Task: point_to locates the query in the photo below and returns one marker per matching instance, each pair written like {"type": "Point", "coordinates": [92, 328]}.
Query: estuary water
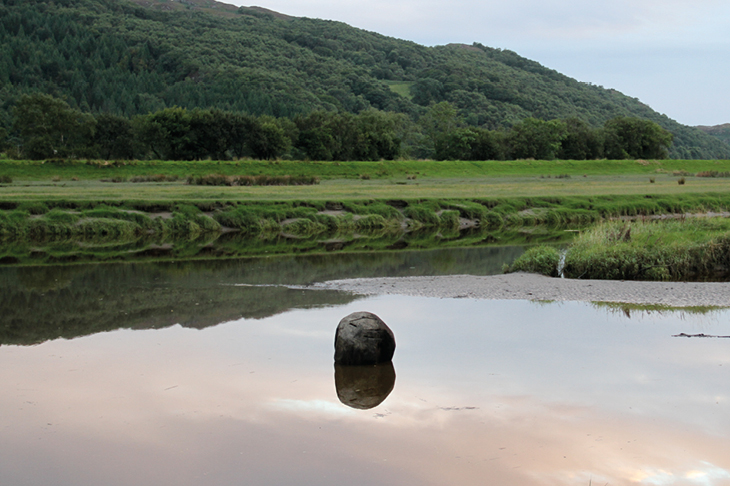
{"type": "Point", "coordinates": [156, 374]}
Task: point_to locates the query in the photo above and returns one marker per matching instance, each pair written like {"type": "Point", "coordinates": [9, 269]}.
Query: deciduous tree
{"type": "Point", "coordinates": [49, 127]}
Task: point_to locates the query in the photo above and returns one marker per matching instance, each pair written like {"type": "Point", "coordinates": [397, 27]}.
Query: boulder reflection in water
{"type": "Point", "coordinates": [364, 387]}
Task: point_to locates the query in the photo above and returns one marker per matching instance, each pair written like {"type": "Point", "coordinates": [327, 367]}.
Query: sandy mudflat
{"type": "Point", "coordinates": [525, 286]}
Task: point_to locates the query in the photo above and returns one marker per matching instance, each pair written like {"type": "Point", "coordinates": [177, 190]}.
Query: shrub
{"type": "Point", "coordinates": [370, 222]}
{"type": "Point", "coordinates": [304, 227]}
{"type": "Point", "coordinates": [712, 173]}
{"type": "Point", "coordinates": [422, 214]}
{"type": "Point", "coordinates": [246, 180]}
{"type": "Point", "coordinates": [155, 178]}
{"type": "Point", "coordinates": [107, 228]}
{"type": "Point", "coordinates": [240, 218]}
{"type": "Point", "coordinates": [540, 259]}
{"type": "Point", "coordinates": [34, 207]}
{"type": "Point", "coordinates": [449, 220]}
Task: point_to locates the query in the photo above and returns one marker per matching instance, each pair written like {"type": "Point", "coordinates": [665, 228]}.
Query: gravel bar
{"type": "Point", "coordinates": [524, 286]}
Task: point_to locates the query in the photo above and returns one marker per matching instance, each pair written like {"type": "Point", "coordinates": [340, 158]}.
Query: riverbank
{"type": "Point", "coordinates": [526, 286]}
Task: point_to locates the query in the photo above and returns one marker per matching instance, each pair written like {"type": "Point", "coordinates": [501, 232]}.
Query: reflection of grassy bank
{"type": "Point", "coordinates": [238, 245]}
{"type": "Point", "coordinates": [695, 249]}
{"type": "Point", "coordinates": [632, 310]}
{"type": "Point", "coordinates": [39, 303]}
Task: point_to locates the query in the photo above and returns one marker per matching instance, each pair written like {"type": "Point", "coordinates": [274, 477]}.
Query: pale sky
{"type": "Point", "coordinates": [670, 54]}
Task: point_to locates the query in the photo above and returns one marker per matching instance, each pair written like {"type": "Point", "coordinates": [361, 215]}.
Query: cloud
{"type": "Point", "coordinates": [432, 22]}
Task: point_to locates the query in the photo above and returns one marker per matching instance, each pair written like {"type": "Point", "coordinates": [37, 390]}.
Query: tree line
{"type": "Point", "coordinates": [45, 127]}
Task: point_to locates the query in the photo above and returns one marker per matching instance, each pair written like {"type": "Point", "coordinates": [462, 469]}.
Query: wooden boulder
{"type": "Point", "coordinates": [362, 338]}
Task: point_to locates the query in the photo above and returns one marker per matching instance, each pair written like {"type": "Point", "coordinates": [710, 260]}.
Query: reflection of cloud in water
{"type": "Point", "coordinates": [707, 475]}
{"type": "Point", "coordinates": [316, 406]}
{"type": "Point", "coordinates": [495, 392]}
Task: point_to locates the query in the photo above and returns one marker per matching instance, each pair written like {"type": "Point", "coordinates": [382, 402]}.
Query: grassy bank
{"type": "Point", "coordinates": [66, 218]}
{"type": "Point", "coordinates": [693, 249]}
{"type": "Point", "coordinates": [87, 210]}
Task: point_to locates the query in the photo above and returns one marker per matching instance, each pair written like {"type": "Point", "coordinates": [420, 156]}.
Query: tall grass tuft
{"type": "Point", "coordinates": [662, 250]}
{"type": "Point", "coordinates": [247, 180]}
{"type": "Point", "coordinates": [540, 259]}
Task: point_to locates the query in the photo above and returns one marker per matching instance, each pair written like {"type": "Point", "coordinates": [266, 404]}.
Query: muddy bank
{"type": "Point", "coordinates": [524, 286]}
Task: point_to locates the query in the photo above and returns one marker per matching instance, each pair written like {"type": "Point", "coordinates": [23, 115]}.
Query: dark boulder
{"type": "Point", "coordinates": [362, 338]}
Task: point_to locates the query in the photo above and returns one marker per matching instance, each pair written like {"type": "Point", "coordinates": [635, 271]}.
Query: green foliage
{"type": "Point", "coordinates": [536, 139]}
{"type": "Point", "coordinates": [581, 142]}
{"type": "Point", "coordinates": [542, 259]}
{"type": "Point", "coordinates": [33, 207]}
{"type": "Point", "coordinates": [424, 214]}
{"type": "Point", "coordinates": [670, 250]}
{"type": "Point", "coordinates": [113, 137]}
{"type": "Point", "coordinates": [370, 135]}
{"type": "Point", "coordinates": [49, 127]}
{"type": "Point", "coordinates": [449, 220]}
{"type": "Point", "coordinates": [720, 132]}
{"type": "Point", "coordinates": [180, 134]}
{"type": "Point", "coordinates": [381, 208]}
{"type": "Point", "coordinates": [303, 227]}
{"type": "Point", "coordinates": [632, 138]}
{"type": "Point", "coordinates": [110, 56]}
{"type": "Point", "coordinates": [370, 222]}
{"type": "Point", "coordinates": [267, 140]}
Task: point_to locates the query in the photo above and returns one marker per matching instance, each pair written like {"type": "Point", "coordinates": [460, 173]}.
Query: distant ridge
{"type": "Point", "coordinates": [720, 132]}
{"type": "Point", "coordinates": [207, 6]}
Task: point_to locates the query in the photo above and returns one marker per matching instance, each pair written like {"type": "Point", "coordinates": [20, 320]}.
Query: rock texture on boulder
{"type": "Point", "coordinates": [362, 338]}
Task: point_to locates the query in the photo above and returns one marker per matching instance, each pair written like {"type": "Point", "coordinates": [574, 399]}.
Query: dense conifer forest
{"type": "Point", "coordinates": [297, 87]}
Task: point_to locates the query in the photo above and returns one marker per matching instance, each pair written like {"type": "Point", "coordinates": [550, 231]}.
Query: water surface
{"type": "Point", "coordinates": [485, 392]}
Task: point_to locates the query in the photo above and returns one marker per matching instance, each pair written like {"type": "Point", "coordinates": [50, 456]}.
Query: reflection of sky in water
{"type": "Point", "coordinates": [487, 392]}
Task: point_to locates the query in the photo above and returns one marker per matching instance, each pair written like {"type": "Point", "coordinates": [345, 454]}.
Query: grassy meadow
{"type": "Point", "coordinates": [105, 180]}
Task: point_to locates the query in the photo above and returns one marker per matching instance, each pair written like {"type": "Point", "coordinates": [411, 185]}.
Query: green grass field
{"type": "Point", "coordinates": [45, 170]}
{"type": "Point", "coordinates": [342, 181]}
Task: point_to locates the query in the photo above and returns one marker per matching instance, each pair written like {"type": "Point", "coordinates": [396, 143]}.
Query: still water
{"type": "Point", "coordinates": [171, 374]}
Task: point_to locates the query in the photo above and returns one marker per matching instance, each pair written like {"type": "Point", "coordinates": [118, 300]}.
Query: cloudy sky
{"type": "Point", "coordinates": [670, 54]}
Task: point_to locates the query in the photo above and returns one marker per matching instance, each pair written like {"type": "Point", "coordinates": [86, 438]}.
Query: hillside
{"type": "Point", "coordinates": [721, 132]}
{"type": "Point", "coordinates": [136, 57]}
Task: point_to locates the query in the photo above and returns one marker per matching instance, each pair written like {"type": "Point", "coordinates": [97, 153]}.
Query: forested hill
{"type": "Point", "coordinates": [721, 132]}
{"type": "Point", "coordinates": [134, 58]}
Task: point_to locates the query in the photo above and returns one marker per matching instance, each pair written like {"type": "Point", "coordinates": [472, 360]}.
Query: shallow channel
{"type": "Point", "coordinates": [152, 374]}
